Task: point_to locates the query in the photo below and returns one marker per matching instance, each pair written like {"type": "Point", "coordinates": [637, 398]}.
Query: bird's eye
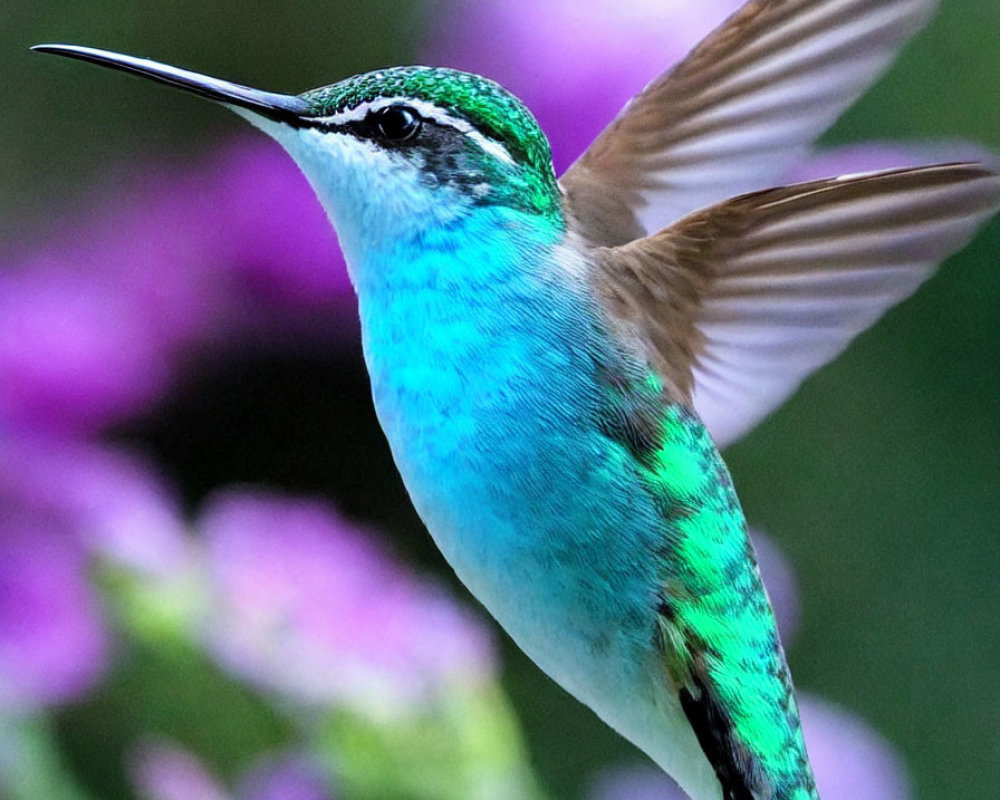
{"type": "Point", "coordinates": [397, 123]}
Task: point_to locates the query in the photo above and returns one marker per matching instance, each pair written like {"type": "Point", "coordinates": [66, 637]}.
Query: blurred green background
{"type": "Point", "coordinates": [880, 479]}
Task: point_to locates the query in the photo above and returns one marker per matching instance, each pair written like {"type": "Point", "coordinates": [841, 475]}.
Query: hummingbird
{"type": "Point", "coordinates": [556, 362]}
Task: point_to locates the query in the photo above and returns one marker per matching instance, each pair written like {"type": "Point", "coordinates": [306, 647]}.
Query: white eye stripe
{"type": "Point", "coordinates": [491, 146]}
{"type": "Point", "coordinates": [428, 111]}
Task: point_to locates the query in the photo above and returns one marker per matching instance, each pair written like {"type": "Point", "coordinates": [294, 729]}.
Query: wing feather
{"type": "Point", "coordinates": [765, 288]}
{"type": "Point", "coordinates": [738, 111]}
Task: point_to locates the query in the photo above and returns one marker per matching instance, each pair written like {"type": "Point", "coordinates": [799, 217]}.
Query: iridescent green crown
{"type": "Point", "coordinates": [485, 104]}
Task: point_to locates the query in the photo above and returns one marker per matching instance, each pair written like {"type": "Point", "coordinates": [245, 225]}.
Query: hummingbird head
{"type": "Point", "coordinates": [392, 154]}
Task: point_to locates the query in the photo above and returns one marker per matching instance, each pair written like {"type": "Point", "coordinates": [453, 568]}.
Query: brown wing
{"type": "Point", "coordinates": [740, 302]}
{"type": "Point", "coordinates": [736, 113]}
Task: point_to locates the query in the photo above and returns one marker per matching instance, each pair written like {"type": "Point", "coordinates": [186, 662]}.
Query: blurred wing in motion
{"type": "Point", "coordinates": [741, 108]}
{"type": "Point", "coordinates": [741, 301]}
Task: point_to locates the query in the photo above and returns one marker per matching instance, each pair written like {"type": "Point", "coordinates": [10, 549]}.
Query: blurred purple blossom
{"type": "Point", "coordinates": [105, 500]}
{"type": "Point", "coordinates": [161, 770]}
{"type": "Point", "coordinates": [54, 645]}
{"type": "Point", "coordinates": [643, 782]}
{"type": "Point", "coordinates": [306, 604]}
{"type": "Point", "coordinates": [98, 321]}
{"type": "Point", "coordinates": [850, 762]}
{"type": "Point", "coordinates": [61, 504]}
{"type": "Point", "coordinates": [285, 777]}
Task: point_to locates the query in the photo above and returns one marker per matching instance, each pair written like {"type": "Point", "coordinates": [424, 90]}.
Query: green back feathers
{"type": "Point", "coordinates": [484, 104]}
{"type": "Point", "coordinates": [716, 630]}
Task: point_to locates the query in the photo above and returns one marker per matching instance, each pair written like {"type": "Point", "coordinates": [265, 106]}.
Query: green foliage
{"type": "Point", "coordinates": [465, 746]}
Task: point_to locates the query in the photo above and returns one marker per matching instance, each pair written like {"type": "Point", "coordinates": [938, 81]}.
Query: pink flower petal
{"type": "Point", "coordinates": [306, 604]}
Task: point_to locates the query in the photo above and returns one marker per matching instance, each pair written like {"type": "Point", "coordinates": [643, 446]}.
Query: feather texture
{"type": "Point", "coordinates": [736, 112]}
{"type": "Point", "coordinates": [740, 302]}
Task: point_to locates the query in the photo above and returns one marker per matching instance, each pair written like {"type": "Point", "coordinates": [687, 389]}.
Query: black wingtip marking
{"type": "Point", "coordinates": [715, 734]}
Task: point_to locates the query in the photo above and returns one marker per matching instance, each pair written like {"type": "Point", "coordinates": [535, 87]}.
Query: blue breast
{"type": "Point", "coordinates": [483, 346]}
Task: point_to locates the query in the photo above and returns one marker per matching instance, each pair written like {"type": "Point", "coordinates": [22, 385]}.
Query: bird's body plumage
{"type": "Point", "coordinates": [592, 515]}
{"type": "Point", "coordinates": [565, 483]}
{"type": "Point", "coordinates": [555, 363]}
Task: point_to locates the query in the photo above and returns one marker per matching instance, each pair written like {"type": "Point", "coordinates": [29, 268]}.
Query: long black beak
{"type": "Point", "coordinates": [280, 107]}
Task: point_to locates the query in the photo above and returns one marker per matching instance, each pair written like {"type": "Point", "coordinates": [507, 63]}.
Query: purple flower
{"type": "Point", "coordinates": [61, 504]}
{"type": "Point", "coordinates": [98, 321]}
{"type": "Point", "coordinates": [76, 352]}
{"type": "Point", "coordinates": [163, 771]}
{"type": "Point", "coordinates": [850, 762]}
{"type": "Point", "coordinates": [54, 645]}
{"type": "Point", "coordinates": [634, 783]}
{"type": "Point", "coordinates": [286, 777]}
{"type": "Point", "coordinates": [109, 502]}
{"type": "Point", "coordinates": [306, 604]}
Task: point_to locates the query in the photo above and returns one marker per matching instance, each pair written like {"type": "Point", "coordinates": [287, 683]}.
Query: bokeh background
{"type": "Point", "coordinates": [212, 584]}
